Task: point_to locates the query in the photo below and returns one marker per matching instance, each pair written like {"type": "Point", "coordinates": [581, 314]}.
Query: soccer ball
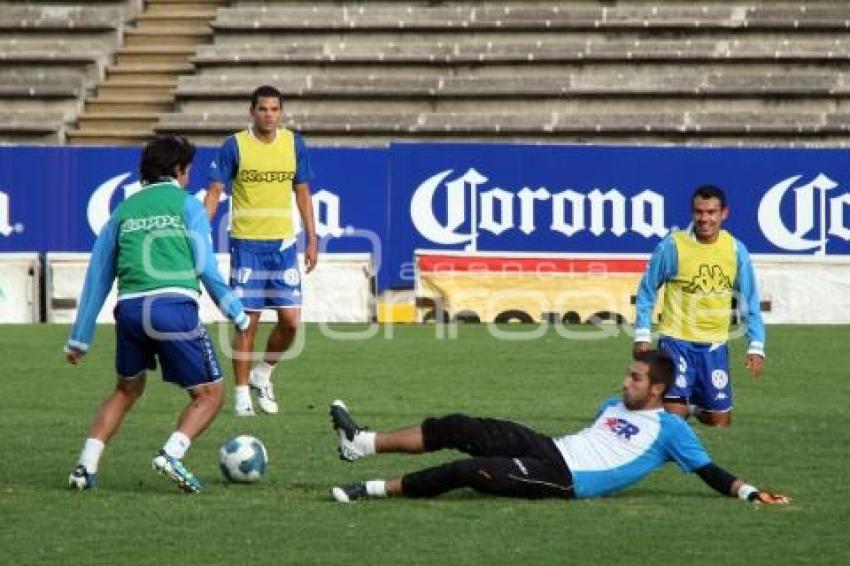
{"type": "Point", "coordinates": [243, 459]}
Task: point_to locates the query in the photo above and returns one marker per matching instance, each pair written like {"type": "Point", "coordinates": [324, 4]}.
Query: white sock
{"type": "Point", "coordinates": [365, 442]}
{"type": "Point", "coordinates": [243, 394]}
{"type": "Point", "coordinates": [376, 488]}
{"type": "Point", "coordinates": [177, 445]}
{"type": "Point", "coordinates": [90, 455]}
{"type": "Point", "coordinates": [262, 372]}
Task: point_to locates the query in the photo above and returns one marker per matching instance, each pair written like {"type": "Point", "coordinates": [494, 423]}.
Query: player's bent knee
{"type": "Point", "coordinates": [717, 420]}
{"type": "Point", "coordinates": [287, 325]}
{"type": "Point", "coordinates": [132, 388]}
{"type": "Point", "coordinates": [211, 394]}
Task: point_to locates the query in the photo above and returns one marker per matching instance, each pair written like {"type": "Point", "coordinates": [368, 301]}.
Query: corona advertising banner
{"type": "Point", "coordinates": [500, 198]}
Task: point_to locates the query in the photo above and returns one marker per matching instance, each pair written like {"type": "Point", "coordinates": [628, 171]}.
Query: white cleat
{"type": "Point", "coordinates": [244, 408]}
{"type": "Point", "coordinates": [265, 395]}
{"type": "Point", "coordinates": [349, 493]}
{"type": "Point", "coordinates": [81, 479]}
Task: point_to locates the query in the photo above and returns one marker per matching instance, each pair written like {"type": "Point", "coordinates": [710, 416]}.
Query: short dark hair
{"type": "Point", "coordinates": [164, 157]}
{"type": "Point", "coordinates": [265, 91]}
{"type": "Point", "coordinates": [710, 191]}
{"type": "Point", "coordinates": [661, 366]}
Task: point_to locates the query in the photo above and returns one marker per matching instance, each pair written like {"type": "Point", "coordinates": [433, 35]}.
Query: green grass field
{"type": "Point", "coordinates": [789, 435]}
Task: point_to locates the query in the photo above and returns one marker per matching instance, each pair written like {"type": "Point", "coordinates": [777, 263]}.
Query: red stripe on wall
{"type": "Point", "coordinates": [433, 263]}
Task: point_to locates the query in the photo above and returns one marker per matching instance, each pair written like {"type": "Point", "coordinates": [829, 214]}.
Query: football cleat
{"type": "Point", "coordinates": [347, 429]}
{"type": "Point", "coordinates": [243, 408]}
{"type": "Point", "coordinates": [81, 479]}
{"type": "Point", "coordinates": [177, 472]}
{"type": "Point", "coordinates": [265, 395]}
{"type": "Point", "coordinates": [349, 493]}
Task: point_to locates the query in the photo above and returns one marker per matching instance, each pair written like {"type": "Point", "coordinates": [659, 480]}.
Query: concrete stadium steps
{"type": "Point", "coordinates": [537, 16]}
{"type": "Point", "coordinates": [132, 104]}
{"type": "Point", "coordinates": [373, 71]}
{"type": "Point", "coordinates": [154, 54]}
{"type": "Point", "coordinates": [51, 55]}
{"type": "Point", "coordinates": [135, 89]}
{"type": "Point", "coordinates": [117, 120]}
{"type": "Point", "coordinates": [694, 83]}
{"type": "Point", "coordinates": [66, 18]}
{"type": "Point", "coordinates": [189, 36]}
{"type": "Point", "coordinates": [535, 51]}
{"type": "Point", "coordinates": [122, 135]}
{"type": "Point", "coordinates": [26, 51]}
{"type": "Point", "coordinates": [54, 88]}
{"type": "Point", "coordinates": [141, 73]}
{"type": "Point", "coordinates": [553, 126]}
{"type": "Point", "coordinates": [527, 70]}
{"type": "Point", "coordinates": [141, 82]}
{"type": "Point", "coordinates": [30, 127]}
{"type": "Point", "coordinates": [35, 74]}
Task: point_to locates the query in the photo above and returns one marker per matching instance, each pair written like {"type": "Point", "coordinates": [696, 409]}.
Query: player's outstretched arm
{"type": "Point", "coordinates": [99, 277]}
{"type": "Point", "coordinates": [198, 232]}
{"type": "Point", "coordinates": [725, 483]}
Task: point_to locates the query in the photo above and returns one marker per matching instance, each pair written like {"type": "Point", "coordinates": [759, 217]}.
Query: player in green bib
{"type": "Point", "coordinates": [157, 244]}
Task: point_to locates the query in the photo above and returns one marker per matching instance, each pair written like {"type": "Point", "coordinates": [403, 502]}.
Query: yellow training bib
{"type": "Point", "coordinates": [262, 189]}
{"type": "Point", "coordinates": [698, 300]}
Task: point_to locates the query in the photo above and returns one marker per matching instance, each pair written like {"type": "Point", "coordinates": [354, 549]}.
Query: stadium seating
{"type": "Point", "coordinates": [371, 71]}
{"type": "Point", "coordinates": [367, 72]}
{"type": "Point", "coordinates": [51, 56]}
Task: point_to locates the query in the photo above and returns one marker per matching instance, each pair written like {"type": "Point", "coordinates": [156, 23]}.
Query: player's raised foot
{"type": "Point", "coordinates": [243, 408]}
{"type": "Point", "coordinates": [81, 479]}
{"type": "Point", "coordinates": [265, 394]}
{"type": "Point", "coordinates": [349, 493]}
{"type": "Point", "coordinates": [176, 472]}
{"type": "Point", "coordinates": [347, 429]}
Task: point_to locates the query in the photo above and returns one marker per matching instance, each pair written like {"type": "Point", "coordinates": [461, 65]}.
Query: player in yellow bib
{"type": "Point", "coordinates": [268, 170]}
{"type": "Point", "coordinates": [702, 270]}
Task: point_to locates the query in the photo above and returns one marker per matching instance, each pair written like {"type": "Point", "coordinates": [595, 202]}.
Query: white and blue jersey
{"type": "Point", "coordinates": [623, 446]}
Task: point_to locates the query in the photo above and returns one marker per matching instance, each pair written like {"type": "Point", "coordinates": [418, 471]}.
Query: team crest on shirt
{"type": "Point", "coordinates": [719, 378]}
{"type": "Point", "coordinates": [291, 277]}
{"type": "Point", "coordinates": [621, 427]}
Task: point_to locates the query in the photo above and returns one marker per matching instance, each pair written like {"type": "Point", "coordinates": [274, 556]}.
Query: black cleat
{"type": "Point", "coordinates": [347, 429]}
{"type": "Point", "coordinates": [349, 493]}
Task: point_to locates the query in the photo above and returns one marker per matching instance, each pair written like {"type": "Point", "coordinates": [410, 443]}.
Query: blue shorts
{"type": "Point", "coordinates": [165, 327]}
{"type": "Point", "coordinates": [264, 276]}
{"type": "Point", "coordinates": [702, 373]}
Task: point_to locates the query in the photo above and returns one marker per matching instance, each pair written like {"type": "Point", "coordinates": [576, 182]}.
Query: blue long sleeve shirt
{"type": "Point", "coordinates": [663, 266]}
